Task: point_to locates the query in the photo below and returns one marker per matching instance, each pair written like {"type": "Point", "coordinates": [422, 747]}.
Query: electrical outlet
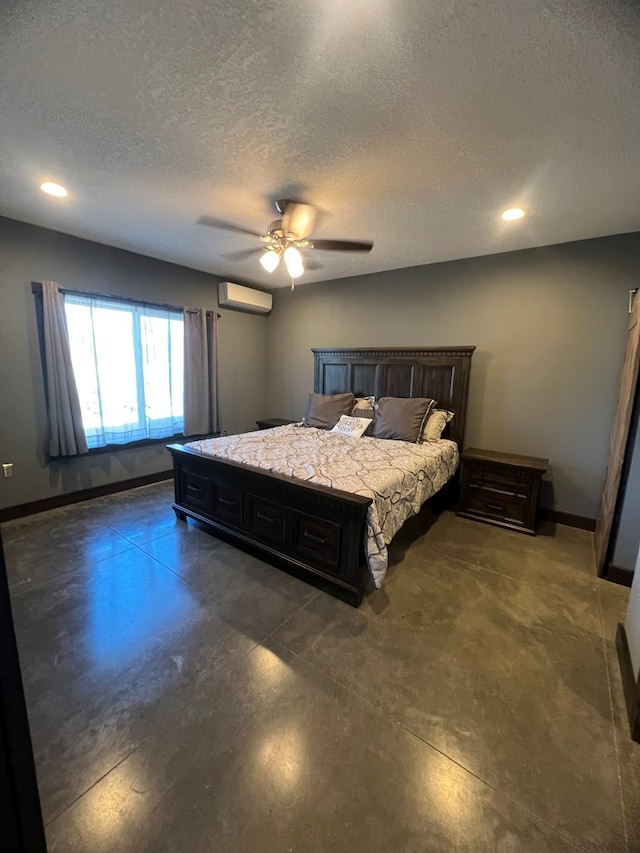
{"type": "Point", "coordinates": [7, 469]}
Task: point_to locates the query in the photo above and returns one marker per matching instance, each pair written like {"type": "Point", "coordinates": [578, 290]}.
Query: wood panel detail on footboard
{"type": "Point", "coordinates": [302, 525]}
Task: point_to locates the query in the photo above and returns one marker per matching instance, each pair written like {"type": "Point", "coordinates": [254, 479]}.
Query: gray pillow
{"type": "Point", "coordinates": [401, 418]}
{"type": "Point", "coordinates": [325, 411]}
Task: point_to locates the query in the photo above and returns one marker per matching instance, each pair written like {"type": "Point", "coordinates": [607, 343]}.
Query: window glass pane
{"type": "Point", "coordinates": [128, 363]}
{"type": "Point", "coordinates": [176, 332]}
{"type": "Point", "coordinates": [116, 366]}
{"type": "Point", "coordinates": [162, 343]}
{"type": "Point", "coordinates": [84, 362]}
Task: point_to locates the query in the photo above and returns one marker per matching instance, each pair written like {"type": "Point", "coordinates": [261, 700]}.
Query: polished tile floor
{"type": "Point", "coordinates": [185, 696]}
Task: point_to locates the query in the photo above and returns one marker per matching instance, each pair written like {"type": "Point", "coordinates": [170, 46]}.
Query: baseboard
{"type": "Point", "coordinates": [616, 574]}
{"type": "Point", "coordinates": [56, 501]}
{"type": "Point", "coordinates": [579, 521]}
{"type": "Point", "coordinates": [630, 686]}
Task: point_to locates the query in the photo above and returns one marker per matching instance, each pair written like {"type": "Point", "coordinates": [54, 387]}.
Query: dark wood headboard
{"type": "Point", "coordinates": [438, 372]}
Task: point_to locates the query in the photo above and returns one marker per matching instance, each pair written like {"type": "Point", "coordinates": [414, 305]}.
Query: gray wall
{"type": "Point", "coordinates": [549, 326]}
{"type": "Point", "coordinates": [30, 254]}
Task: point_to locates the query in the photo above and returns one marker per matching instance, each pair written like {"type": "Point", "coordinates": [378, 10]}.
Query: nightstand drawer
{"type": "Point", "coordinates": [497, 505]}
{"type": "Point", "coordinates": [500, 480]}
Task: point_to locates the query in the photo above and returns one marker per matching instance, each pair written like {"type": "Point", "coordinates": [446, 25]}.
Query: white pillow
{"type": "Point", "coordinates": [352, 426]}
{"type": "Point", "coordinates": [435, 425]}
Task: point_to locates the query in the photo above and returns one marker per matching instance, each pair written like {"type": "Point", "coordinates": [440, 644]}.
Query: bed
{"type": "Point", "coordinates": [293, 513]}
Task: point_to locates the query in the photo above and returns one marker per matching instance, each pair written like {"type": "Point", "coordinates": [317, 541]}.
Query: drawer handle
{"type": "Point", "coordinates": [319, 539]}
{"type": "Point", "coordinates": [264, 517]}
{"type": "Point", "coordinates": [495, 507]}
{"type": "Point", "coordinates": [226, 501]}
{"type": "Point", "coordinates": [192, 488]}
{"type": "Point", "coordinates": [487, 486]}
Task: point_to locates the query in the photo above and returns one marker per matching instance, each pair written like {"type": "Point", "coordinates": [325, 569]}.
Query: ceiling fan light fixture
{"type": "Point", "coordinates": [293, 261]}
{"type": "Point", "coordinates": [270, 260]}
{"type": "Point", "coordinates": [292, 256]}
{"type": "Point", "coordinates": [295, 272]}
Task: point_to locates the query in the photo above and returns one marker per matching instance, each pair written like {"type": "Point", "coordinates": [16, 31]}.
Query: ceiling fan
{"type": "Point", "coordinates": [285, 237]}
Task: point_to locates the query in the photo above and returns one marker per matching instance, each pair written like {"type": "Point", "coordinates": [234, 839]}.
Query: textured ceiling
{"type": "Point", "coordinates": [410, 123]}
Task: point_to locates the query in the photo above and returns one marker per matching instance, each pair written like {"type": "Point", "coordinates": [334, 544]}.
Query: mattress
{"type": "Point", "coordinates": [397, 475]}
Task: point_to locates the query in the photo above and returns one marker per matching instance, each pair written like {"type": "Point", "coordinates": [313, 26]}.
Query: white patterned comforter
{"type": "Point", "coordinates": [399, 476]}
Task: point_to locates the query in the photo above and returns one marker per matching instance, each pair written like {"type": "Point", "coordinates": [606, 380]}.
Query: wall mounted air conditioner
{"type": "Point", "coordinates": [243, 298]}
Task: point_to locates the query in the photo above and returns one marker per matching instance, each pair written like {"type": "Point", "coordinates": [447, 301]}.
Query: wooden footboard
{"type": "Point", "coordinates": [301, 525]}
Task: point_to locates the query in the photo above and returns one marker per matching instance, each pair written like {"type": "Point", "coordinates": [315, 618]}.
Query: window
{"type": "Point", "coordinates": [128, 364]}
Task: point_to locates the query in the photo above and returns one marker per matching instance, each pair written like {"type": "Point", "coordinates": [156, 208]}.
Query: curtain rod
{"type": "Point", "coordinates": [36, 287]}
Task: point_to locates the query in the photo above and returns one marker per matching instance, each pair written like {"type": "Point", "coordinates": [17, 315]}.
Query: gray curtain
{"type": "Point", "coordinates": [200, 372]}
{"type": "Point", "coordinates": [66, 433]}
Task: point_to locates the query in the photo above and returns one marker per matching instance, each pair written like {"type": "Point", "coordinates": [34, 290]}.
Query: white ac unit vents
{"type": "Point", "coordinates": [243, 298]}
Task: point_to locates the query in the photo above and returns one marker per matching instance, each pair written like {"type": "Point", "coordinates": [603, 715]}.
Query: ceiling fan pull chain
{"type": "Point", "coordinates": [293, 283]}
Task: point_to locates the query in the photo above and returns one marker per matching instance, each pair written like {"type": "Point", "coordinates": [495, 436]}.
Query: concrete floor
{"type": "Point", "coordinates": [187, 697]}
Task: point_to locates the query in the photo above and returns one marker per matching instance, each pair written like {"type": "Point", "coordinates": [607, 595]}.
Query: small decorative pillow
{"type": "Point", "coordinates": [355, 427]}
{"type": "Point", "coordinates": [363, 407]}
{"type": "Point", "coordinates": [401, 418]}
{"type": "Point", "coordinates": [324, 411]}
{"type": "Point", "coordinates": [436, 422]}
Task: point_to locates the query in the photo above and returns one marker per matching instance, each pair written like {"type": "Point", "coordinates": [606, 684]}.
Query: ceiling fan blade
{"type": "Point", "coordinates": [211, 222]}
{"type": "Point", "coordinates": [342, 245]}
{"type": "Point", "coordinates": [299, 219]}
{"type": "Point", "coordinates": [242, 255]}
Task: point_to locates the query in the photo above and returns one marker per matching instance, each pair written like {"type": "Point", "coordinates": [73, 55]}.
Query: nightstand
{"type": "Point", "coordinates": [501, 488]}
{"type": "Point", "coordinates": [268, 423]}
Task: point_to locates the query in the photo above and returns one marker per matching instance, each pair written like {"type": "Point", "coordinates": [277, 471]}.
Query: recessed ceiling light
{"type": "Point", "coordinates": [512, 214]}
{"type": "Point", "coordinates": [52, 188]}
